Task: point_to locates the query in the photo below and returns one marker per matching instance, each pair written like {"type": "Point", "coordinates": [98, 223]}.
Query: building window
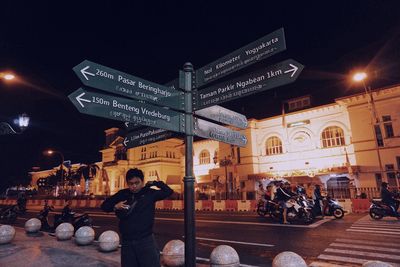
{"type": "Point", "coordinates": [387, 124]}
{"type": "Point", "coordinates": [143, 153]}
{"type": "Point", "coordinates": [398, 163]}
{"type": "Point", "coordinates": [378, 135]}
{"type": "Point", "coordinates": [299, 103]}
{"type": "Point", "coordinates": [205, 157]}
{"type": "Point", "coordinates": [332, 136]}
{"type": "Point", "coordinates": [120, 154]}
{"type": "Point", "coordinates": [378, 179]}
{"type": "Point", "coordinates": [274, 146]}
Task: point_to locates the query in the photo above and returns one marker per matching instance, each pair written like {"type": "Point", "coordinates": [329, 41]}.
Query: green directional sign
{"type": "Point", "coordinates": [217, 132]}
{"type": "Point", "coordinates": [146, 136]}
{"type": "Point", "coordinates": [264, 47]}
{"type": "Point", "coordinates": [123, 109]}
{"type": "Point", "coordinates": [270, 77]}
{"type": "Point", "coordinates": [223, 115]}
{"type": "Point", "coordinates": [117, 82]}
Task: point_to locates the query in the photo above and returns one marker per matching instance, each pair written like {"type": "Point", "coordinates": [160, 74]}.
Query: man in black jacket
{"type": "Point", "coordinates": [135, 208]}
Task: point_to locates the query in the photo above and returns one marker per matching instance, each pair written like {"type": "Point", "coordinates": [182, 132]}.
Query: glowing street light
{"type": "Point", "coordinates": [51, 152]}
{"type": "Point", "coordinates": [22, 122]}
{"type": "Point", "coordinates": [359, 76]}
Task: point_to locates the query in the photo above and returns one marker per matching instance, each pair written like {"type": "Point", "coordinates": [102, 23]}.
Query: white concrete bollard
{"type": "Point", "coordinates": [224, 255]}
{"type": "Point", "coordinates": [108, 241]}
{"type": "Point", "coordinates": [33, 225]}
{"type": "Point", "coordinates": [7, 234]}
{"type": "Point", "coordinates": [64, 231]}
{"type": "Point", "coordinates": [174, 253]}
{"type": "Point", "coordinates": [376, 264]}
{"type": "Point", "coordinates": [288, 259]}
{"type": "Point", "coordinates": [84, 235]}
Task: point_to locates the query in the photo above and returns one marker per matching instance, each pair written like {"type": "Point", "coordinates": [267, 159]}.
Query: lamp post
{"type": "Point", "coordinates": [22, 122]}
{"type": "Point", "coordinates": [225, 163]}
{"type": "Point", "coordinates": [360, 77]}
{"type": "Point", "coordinates": [51, 152]}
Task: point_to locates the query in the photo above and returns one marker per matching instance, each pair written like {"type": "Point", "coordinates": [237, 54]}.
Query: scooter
{"type": "Point", "coordinates": [8, 215]}
{"type": "Point", "coordinates": [333, 208]}
{"type": "Point", "coordinates": [77, 220]}
{"type": "Point", "coordinates": [267, 207]}
{"type": "Point", "coordinates": [378, 210]}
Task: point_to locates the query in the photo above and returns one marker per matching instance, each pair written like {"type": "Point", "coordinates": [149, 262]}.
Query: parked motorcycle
{"type": "Point", "coordinates": [77, 220]}
{"type": "Point", "coordinates": [8, 215]}
{"type": "Point", "coordinates": [378, 210]}
{"type": "Point", "coordinates": [298, 210]}
{"type": "Point", "coordinates": [333, 208]}
{"type": "Point", "coordinates": [269, 207]}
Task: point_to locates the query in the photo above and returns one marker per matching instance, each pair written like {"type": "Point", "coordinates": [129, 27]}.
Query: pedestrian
{"type": "Point", "coordinates": [318, 200]}
{"type": "Point", "coordinates": [135, 208]}
{"type": "Point", "coordinates": [283, 194]}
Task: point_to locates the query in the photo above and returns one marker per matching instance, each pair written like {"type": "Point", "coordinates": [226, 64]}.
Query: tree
{"type": "Point", "coordinates": [88, 172]}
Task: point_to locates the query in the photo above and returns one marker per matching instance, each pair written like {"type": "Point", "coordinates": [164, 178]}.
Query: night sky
{"type": "Point", "coordinates": [41, 43]}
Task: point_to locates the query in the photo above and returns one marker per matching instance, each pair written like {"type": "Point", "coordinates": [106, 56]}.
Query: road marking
{"type": "Point", "coordinates": [208, 260]}
{"type": "Point", "coordinates": [348, 259]}
{"type": "Point", "coordinates": [370, 231]}
{"type": "Point", "coordinates": [376, 225]}
{"type": "Point", "coordinates": [235, 242]}
{"type": "Point", "coordinates": [375, 228]}
{"type": "Point", "coordinates": [365, 247]}
{"type": "Point", "coordinates": [249, 223]}
{"type": "Point", "coordinates": [323, 264]}
{"type": "Point", "coordinates": [362, 253]}
{"type": "Point", "coordinates": [368, 242]}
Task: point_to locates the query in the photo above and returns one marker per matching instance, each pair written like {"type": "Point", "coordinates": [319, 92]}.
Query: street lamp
{"type": "Point", "coordinates": [22, 122]}
{"type": "Point", "coordinates": [51, 152]}
{"type": "Point", "coordinates": [225, 163]}
{"type": "Point", "coordinates": [7, 76]}
{"type": "Point", "coordinates": [361, 77]}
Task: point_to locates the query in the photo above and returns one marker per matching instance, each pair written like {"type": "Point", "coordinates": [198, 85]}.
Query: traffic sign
{"type": "Point", "coordinates": [217, 132]}
{"type": "Point", "coordinates": [146, 136]}
{"type": "Point", "coordinates": [117, 82]}
{"type": "Point", "coordinates": [270, 77]}
{"type": "Point", "coordinates": [264, 47]}
{"type": "Point", "coordinates": [127, 110]}
{"type": "Point", "coordinates": [223, 115]}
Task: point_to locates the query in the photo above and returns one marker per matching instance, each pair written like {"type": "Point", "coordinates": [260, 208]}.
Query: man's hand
{"type": "Point", "coordinates": [121, 205]}
{"type": "Point", "coordinates": [153, 183]}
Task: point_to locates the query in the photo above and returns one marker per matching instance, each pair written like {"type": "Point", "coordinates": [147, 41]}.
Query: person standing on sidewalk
{"type": "Point", "coordinates": [135, 209]}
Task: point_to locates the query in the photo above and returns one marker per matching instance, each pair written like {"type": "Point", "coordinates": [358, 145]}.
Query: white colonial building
{"type": "Point", "coordinates": [353, 142]}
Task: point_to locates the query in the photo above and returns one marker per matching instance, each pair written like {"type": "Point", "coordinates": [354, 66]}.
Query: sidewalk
{"type": "Point", "coordinates": [43, 250]}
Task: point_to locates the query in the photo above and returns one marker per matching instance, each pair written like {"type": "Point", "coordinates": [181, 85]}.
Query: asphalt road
{"type": "Point", "coordinates": [257, 240]}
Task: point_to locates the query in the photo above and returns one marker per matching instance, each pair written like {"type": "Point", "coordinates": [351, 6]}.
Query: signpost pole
{"type": "Point", "coordinates": [190, 230]}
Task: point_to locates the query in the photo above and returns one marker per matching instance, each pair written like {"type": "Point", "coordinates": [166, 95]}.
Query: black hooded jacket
{"type": "Point", "coordinates": [137, 222]}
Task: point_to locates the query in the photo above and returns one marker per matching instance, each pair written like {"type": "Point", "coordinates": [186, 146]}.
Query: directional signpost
{"type": "Point", "coordinates": [164, 100]}
{"type": "Point", "coordinates": [214, 131]}
{"type": "Point", "coordinates": [117, 82]}
{"type": "Point", "coordinates": [263, 48]}
{"type": "Point", "coordinates": [122, 109]}
{"type": "Point", "coordinates": [223, 115]}
{"type": "Point", "coordinates": [146, 136]}
{"type": "Point", "coordinates": [280, 74]}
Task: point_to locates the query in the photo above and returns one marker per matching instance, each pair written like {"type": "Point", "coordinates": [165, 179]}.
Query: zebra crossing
{"type": "Point", "coordinates": [365, 240]}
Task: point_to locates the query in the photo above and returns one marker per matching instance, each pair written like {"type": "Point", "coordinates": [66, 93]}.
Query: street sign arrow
{"type": "Point", "coordinates": [264, 47]}
{"type": "Point", "coordinates": [127, 110]}
{"type": "Point", "coordinates": [270, 77]}
{"type": "Point", "coordinates": [214, 131]}
{"type": "Point", "coordinates": [146, 136]}
{"type": "Point", "coordinates": [223, 115]}
{"type": "Point", "coordinates": [117, 82]}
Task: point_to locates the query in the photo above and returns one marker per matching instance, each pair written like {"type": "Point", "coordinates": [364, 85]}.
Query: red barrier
{"type": "Point", "coordinates": [253, 205]}
{"type": "Point", "coordinates": [207, 205]}
{"type": "Point", "coordinates": [360, 205]}
{"type": "Point", "coordinates": [231, 205]}
{"type": "Point", "coordinates": [167, 204]}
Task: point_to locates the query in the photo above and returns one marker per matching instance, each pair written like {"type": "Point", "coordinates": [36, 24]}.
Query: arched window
{"type": "Point", "coordinates": [274, 146]}
{"type": "Point", "coordinates": [332, 136]}
{"type": "Point", "coordinates": [205, 157]}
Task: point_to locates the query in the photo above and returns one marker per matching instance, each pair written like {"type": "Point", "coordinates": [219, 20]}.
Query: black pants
{"type": "Point", "coordinates": [140, 253]}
